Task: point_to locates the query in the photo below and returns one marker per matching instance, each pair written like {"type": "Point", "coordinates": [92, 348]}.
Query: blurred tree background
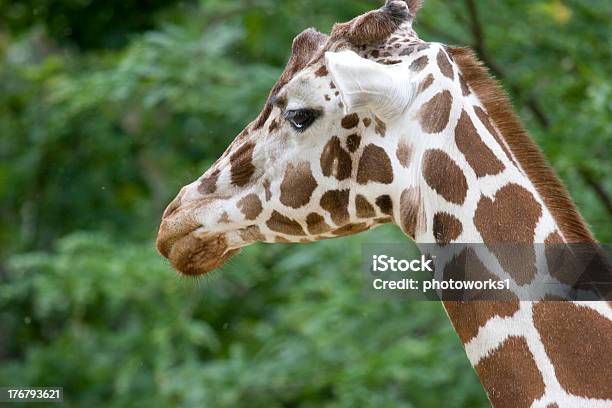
{"type": "Point", "coordinates": [108, 108]}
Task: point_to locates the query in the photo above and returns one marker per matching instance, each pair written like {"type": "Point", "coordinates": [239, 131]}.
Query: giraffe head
{"type": "Point", "coordinates": [322, 158]}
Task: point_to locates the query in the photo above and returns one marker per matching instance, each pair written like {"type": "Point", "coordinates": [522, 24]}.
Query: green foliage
{"type": "Point", "coordinates": [84, 23]}
{"type": "Point", "coordinates": [110, 322]}
{"type": "Point", "coordinates": [103, 116]}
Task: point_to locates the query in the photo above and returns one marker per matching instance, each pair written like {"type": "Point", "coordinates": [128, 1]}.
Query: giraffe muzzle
{"type": "Point", "coordinates": [192, 251]}
{"type": "Point", "coordinates": [193, 255]}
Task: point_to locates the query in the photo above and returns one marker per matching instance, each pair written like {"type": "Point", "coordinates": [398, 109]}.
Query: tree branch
{"type": "Point", "coordinates": [599, 190]}
{"type": "Point", "coordinates": [531, 102]}
{"type": "Point", "coordinates": [480, 47]}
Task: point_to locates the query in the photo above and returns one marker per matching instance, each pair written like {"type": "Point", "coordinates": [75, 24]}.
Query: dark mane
{"type": "Point", "coordinates": [528, 154]}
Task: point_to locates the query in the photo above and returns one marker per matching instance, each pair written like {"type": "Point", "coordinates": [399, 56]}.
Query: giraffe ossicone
{"type": "Point", "coordinates": [372, 125]}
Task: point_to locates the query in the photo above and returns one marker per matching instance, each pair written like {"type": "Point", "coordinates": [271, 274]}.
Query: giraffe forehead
{"type": "Point", "coordinates": [305, 88]}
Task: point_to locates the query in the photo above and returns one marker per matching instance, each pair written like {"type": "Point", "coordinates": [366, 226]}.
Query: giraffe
{"type": "Point", "coordinates": [372, 125]}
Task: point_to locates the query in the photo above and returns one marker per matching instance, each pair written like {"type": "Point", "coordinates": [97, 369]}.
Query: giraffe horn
{"type": "Point", "coordinates": [375, 26]}
{"type": "Point", "coordinates": [413, 5]}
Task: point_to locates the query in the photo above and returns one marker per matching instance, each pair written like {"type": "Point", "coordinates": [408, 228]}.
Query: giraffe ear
{"type": "Point", "coordinates": [386, 90]}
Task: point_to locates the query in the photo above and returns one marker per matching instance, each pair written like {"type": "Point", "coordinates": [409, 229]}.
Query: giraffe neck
{"type": "Point", "coordinates": [467, 184]}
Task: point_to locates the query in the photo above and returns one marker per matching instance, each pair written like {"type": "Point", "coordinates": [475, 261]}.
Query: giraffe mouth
{"type": "Point", "coordinates": [190, 250]}
{"type": "Point", "coordinates": [194, 255]}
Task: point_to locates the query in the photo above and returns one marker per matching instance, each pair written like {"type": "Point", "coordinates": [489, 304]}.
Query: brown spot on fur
{"type": "Point", "coordinates": [281, 240]}
{"type": "Point", "coordinates": [350, 121]}
{"type": "Point", "coordinates": [298, 185]}
{"type": "Point", "coordinates": [419, 63]}
{"type": "Point", "coordinates": [322, 71]}
{"type": "Point", "coordinates": [316, 224]}
{"type": "Point", "coordinates": [407, 51]}
{"type": "Point", "coordinates": [444, 64]}
{"type": "Point", "coordinates": [426, 83]}
{"type": "Point", "coordinates": [409, 210]}
{"type": "Point", "coordinates": [279, 101]}
{"type": "Point", "coordinates": [364, 208]}
{"type": "Point", "coordinates": [446, 227]}
{"type": "Point", "coordinates": [250, 206]}
{"type": "Point", "coordinates": [484, 119]}
{"type": "Point", "coordinates": [251, 234]}
{"type": "Point", "coordinates": [350, 229]}
{"type": "Point", "coordinates": [529, 156]}
{"type": "Point", "coordinates": [476, 152]}
{"type": "Point", "coordinates": [208, 185]}
{"type": "Point", "coordinates": [327, 98]}
{"type": "Point", "coordinates": [353, 142]}
{"type": "Point", "coordinates": [273, 126]}
{"type": "Point", "coordinates": [391, 62]}
{"type": "Point", "coordinates": [578, 341]}
{"type": "Point", "coordinates": [266, 186]}
{"type": "Point", "coordinates": [469, 316]}
{"type": "Point", "coordinates": [375, 53]}
{"type": "Point", "coordinates": [335, 161]}
{"type": "Point", "coordinates": [367, 122]}
{"type": "Point", "coordinates": [553, 238]}
{"type": "Point", "coordinates": [286, 225]}
{"type": "Point", "coordinates": [465, 89]}
{"type": "Point", "coordinates": [434, 114]}
{"type": "Point", "coordinates": [383, 220]}
{"type": "Point", "coordinates": [242, 164]}
{"type": "Point", "coordinates": [336, 203]}
{"type": "Point", "coordinates": [385, 204]}
{"type": "Point", "coordinates": [444, 176]}
{"type": "Point", "coordinates": [381, 127]}
{"type": "Point", "coordinates": [263, 117]}
{"type": "Point", "coordinates": [404, 153]}
{"type": "Point", "coordinates": [374, 165]}
{"type": "Point", "coordinates": [521, 382]}
{"type": "Point", "coordinates": [561, 261]}
{"type": "Point", "coordinates": [224, 219]}
{"type": "Point", "coordinates": [511, 217]}
{"type": "Point", "coordinates": [468, 267]}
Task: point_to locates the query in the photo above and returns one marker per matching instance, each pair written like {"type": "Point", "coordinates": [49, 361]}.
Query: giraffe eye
{"type": "Point", "coordinates": [301, 119]}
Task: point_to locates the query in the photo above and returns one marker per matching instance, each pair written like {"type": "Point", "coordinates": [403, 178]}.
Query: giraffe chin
{"type": "Point", "coordinates": [194, 256]}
